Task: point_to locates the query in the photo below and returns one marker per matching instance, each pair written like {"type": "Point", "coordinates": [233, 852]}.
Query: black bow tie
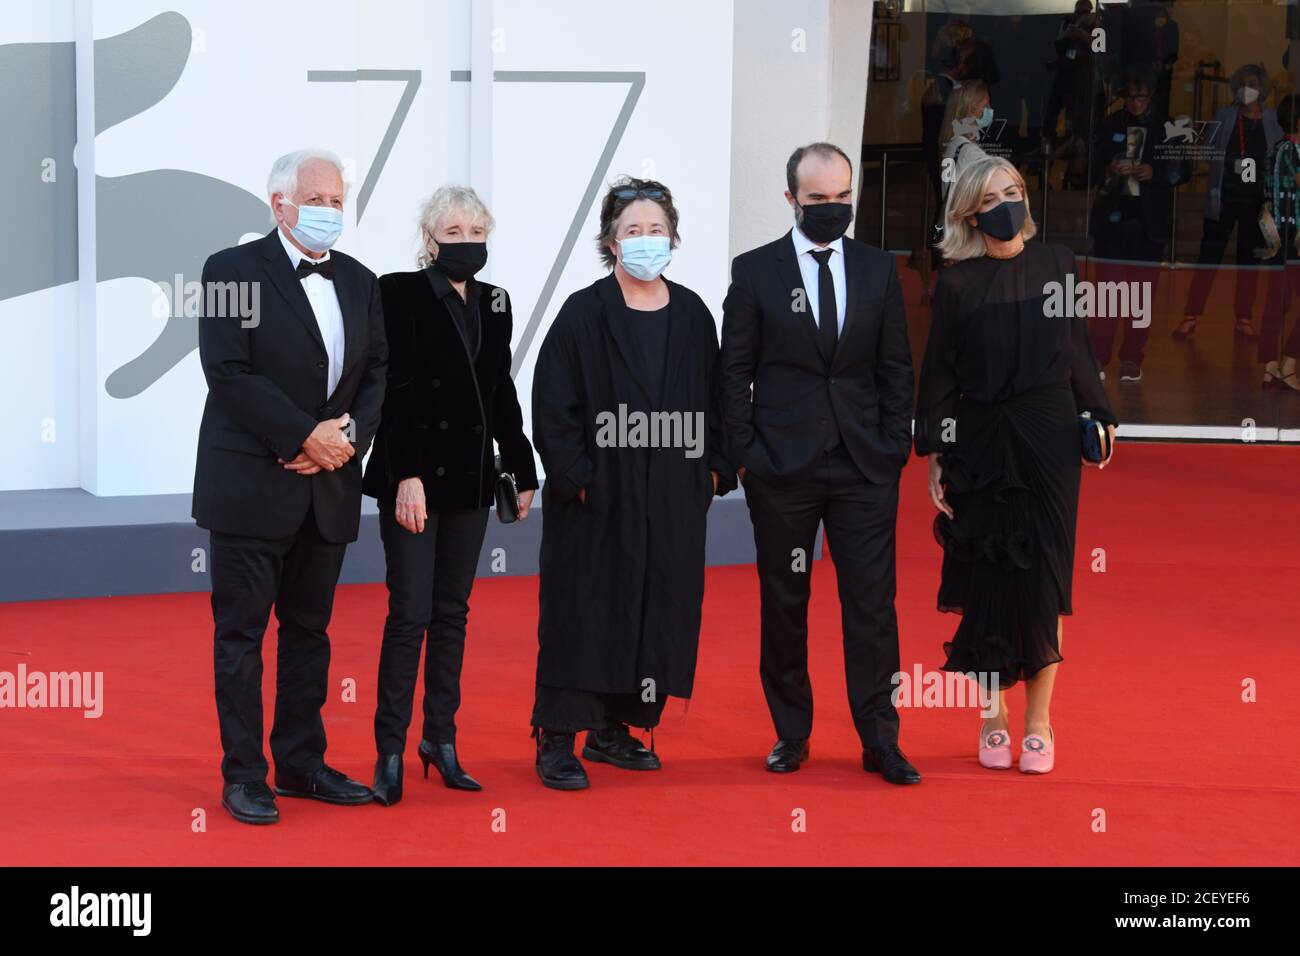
{"type": "Point", "coordinates": [324, 268]}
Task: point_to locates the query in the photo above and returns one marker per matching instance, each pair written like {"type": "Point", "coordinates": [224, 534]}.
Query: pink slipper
{"type": "Point", "coordinates": [1038, 755]}
{"type": "Point", "coordinates": [995, 750]}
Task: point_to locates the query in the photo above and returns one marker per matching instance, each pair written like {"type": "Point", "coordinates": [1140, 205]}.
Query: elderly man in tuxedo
{"type": "Point", "coordinates": [817, 387]}
{"type": "Point", "coordinates": [294, 395]}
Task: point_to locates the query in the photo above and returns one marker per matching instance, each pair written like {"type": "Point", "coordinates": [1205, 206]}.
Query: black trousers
{"type": "Point", "coordinates": [430, 576]}
{"type": "Point", "coordinates": [1127, 240]}
{"type": "Point", "coordinates": [1242, 214]}
{"type": "Point", "coordinates": [860, 522]}
{"type": "Point", "coordinates": [297, 577]}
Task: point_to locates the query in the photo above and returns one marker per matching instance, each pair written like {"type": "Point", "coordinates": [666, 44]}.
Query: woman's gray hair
{"type": "Point", "coordinates": [447, 199]}
{"type": "Point", "coordinates": [1238, 78]}
{"type": "Point", "coordinates": [961, 240]}
{"type": "Point", "coordinates": [284, 171]}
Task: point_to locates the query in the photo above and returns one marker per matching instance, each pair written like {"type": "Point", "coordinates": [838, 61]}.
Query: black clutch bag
{"type": "Point", "coordinates": [1095, 445]}
{"type": "Point", "coordinates": [507, 494]}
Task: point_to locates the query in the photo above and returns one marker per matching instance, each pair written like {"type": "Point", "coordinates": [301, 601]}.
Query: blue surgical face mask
{"type": "Point", "coordinates": [319, 227]}
{"type": "Point", "coordinates": [644, 257]}
{"type": "Point", "coordinates": [985, 119]}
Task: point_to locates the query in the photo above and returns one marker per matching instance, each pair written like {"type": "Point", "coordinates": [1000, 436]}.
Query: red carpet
{"type": "Point", "coordinates": [1198, 595]}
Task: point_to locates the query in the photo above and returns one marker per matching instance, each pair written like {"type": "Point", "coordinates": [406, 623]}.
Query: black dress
{"type": "Point", "coordinates": [1002, 386]}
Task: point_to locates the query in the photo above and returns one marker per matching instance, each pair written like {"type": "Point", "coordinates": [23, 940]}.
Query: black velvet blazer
{"type": "Point", "coordinates": [442, 409]}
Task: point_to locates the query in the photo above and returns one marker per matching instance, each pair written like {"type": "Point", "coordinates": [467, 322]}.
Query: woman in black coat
{"type": "Point", "coordinates": [449, 397]}
{"type": "Point", "coordinates": [627, 423]}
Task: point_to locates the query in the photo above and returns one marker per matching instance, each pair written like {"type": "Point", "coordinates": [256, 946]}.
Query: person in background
{"type": "Point", "coordinates": [1247, 132]}
{"type": "Point", "coordinates": [450, 397]}
{"type": "Point", "coordinates": [978, 61]}
{"type": "Point", "coordinates": [1281, 185]}
{"type": "Point", "coordinates": [934, 105]}
{"type": "Point", "coordinates": [1073, 73]}
{"type": "Point", "coordinates": [1150, 41]}
{"type": "Point", "coordinates": [1132, 216]}
{"type": "Point", "coordinates": [968, 115]}
{"type": "Point", "coordinates": [1003, 382]}
{"type": "Point", "coordinates": [624, 510]}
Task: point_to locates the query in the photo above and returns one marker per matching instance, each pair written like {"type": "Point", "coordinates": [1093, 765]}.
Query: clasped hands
{"type": "Point", "coordinates": [326, 448]}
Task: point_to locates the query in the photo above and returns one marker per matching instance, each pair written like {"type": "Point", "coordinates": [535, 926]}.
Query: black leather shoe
{"type": "Point", "coordinates": [250, 802]}
{"type": "Point", "coordinates": [888, 761]}
{"type": "Point", "coordinates": [617, 746]}
{"type": "Point", "coordinates": [325, 784]}
{"type": "Point", "coordinates": [388, 779]}
{"type": "Point", "coordinates": [556, 764]}
{"type": "Point", "coordinates": [787, 755]}
{"type": "Point", "coordinates": [443, 757]}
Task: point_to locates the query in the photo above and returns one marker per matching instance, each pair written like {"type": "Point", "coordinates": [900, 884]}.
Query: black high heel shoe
{"type": "Point", "coordinates": [443, 758]}
{"type": "Point", "coordinates": [388, 779]}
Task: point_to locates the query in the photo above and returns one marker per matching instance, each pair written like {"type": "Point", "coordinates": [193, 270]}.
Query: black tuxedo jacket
{"type": "Point", "coordinates": [771, 344]}
{"type": "Point", "coordinates": [443, 409]}
{"type": "Point", "coordinates": [266, 393]}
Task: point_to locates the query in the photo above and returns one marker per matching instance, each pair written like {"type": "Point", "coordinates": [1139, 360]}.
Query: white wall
{"type": "Point", "coordinates": [242, 96]}
{"type": "Point", "coordinates": [799, 75]}
{"type": "Point", "coordinates": [548, 138]}
{"type": "Point", "coordinates": [38, 329]}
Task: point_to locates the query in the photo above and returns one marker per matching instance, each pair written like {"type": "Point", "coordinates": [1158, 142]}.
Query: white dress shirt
{"type": "Point", "coordinates": [324, 301]}
{"type": "Point", "coordinates": [808, 267]}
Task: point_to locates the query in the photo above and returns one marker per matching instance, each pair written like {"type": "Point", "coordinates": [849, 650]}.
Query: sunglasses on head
{"type": "Point", "coordinates": [645, 192]}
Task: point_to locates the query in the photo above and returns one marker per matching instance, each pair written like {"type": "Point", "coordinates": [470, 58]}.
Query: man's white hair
{"type": "Point", "coordinates": [284, 171]}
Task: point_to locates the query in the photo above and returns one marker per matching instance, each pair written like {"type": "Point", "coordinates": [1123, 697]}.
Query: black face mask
{"type": "Point", "coordinates": [1004, 221]}
{"type": "Point", "coordinates": [824, 222]}
{"type": "Point", "coordinates": [460, 260]}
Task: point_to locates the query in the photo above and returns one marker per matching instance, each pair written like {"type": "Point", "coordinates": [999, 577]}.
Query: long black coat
{"type": "Point", "coordinates": [622, 576]}
{"type": "Point", "coordinates": [442, 411]}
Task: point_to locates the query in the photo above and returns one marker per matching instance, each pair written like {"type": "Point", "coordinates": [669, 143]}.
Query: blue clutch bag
{"type": "Point", "coordinates": [1095, 445]}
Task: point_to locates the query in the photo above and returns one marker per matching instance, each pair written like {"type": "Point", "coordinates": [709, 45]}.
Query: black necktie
{"type": "Point", "coordinates": [309, 267]}
{"type": "Point", "coordinates": [827, 317]}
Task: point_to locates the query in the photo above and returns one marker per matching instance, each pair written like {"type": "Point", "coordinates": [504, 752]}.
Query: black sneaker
{"type": "Point", "coordinates": [556, 764]}
{"type": "Point", "coordinates": [617, 746]}
{"type": "Point", "coordinates": [1130, 372]}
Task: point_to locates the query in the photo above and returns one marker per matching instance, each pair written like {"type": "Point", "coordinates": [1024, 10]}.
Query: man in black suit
{"type": "Point", "coordinates": [294, 395]}
{"type": "Point", "coordinates": [814, 324]}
